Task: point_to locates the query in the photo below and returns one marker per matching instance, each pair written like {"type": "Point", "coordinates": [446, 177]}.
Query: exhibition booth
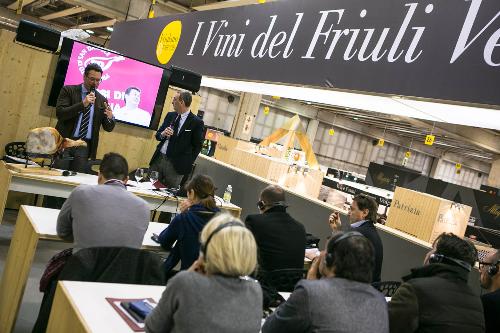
{"type": "Point", "coordinates": [283, 46]}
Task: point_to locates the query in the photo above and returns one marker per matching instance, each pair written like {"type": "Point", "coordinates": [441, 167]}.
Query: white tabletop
{"type": "Point", "coordinates": [45, 221]}
{"type": "Point", "coordinates": [144, 190]}
{"type": "Point", "coordinates": [89, 299]}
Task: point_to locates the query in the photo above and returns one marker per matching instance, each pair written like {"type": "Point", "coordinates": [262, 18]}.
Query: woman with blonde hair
{"type": "Point", "coordinates": [215, 294]}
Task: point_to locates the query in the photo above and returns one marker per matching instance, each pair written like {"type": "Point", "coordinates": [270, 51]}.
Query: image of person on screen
{"type": "Point", "coordinates": [131, 113]}
{"type": "Point", "coordinates": [81, 111]}
{"type": "Point", "coordinates": [181, 138]}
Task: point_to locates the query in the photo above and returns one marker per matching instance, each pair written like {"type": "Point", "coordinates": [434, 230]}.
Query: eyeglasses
{"type": "Point", "coordinates": [93, 79]}
{"type": "Point", "coordinates": [483, 264]}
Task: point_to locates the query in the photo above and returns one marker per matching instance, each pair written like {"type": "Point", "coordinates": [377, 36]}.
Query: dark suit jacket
{"type": "Point", "coordinates": [68, 109]}
{"type": "Point", "coordinates": [281, 240]}
{"type": "Point", "coordinates": [184, 147]}
{"type": "Point", "coordinates": [369, 230]}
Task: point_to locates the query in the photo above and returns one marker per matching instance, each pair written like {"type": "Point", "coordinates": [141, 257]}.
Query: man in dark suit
{"type": "Point", "coordinates": [490, 280]}
{"type": "Point", "coordinates": [181, 137]}
{"type": "Point", "coordinates": [362, 218]}
{"type": "Point", "coordinates": [281, 240]}
{"type": "Point", "coordinates": [81, 110]}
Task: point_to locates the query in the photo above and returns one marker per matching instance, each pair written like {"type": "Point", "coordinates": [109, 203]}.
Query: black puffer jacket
{"type": "Point", "coordinates": [436, 298]}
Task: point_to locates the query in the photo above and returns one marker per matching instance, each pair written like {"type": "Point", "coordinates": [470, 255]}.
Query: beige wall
{"type": "Point", "coordinates": [27, 76]}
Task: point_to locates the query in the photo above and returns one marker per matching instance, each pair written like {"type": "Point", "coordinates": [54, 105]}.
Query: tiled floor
{"type": "Point", "coordinates": [32, 297]}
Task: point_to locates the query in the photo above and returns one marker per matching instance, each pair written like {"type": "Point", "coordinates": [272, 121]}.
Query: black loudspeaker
{"type": "Point", "coordinates": [374, 142]}
{"type": "Point", "coordinates": [185, 79]}
{"type": "Point", "coordinates": [36, 35]}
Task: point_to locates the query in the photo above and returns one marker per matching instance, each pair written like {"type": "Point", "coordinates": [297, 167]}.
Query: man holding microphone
{"type": "Point", "coordinates": [181, 138]}
{"type": "Point", "coordinates": [81, 110]}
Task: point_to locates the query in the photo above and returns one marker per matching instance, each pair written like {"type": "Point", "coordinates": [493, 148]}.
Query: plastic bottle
{"type": "Point", "coordinates": [228, 193]}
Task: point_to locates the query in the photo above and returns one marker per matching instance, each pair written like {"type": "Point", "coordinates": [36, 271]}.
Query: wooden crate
{"type": "Point", "coordinates": [426, 216]}
{"type": "Point", "coordinates": [226, 147]}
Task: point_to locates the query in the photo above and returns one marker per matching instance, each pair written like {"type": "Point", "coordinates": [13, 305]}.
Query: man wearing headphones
{"type": "Point", "coordinates": [337, 295]}
{"type": "Point", "coordinates": [281, 240]}
{"type": "Point", "coordinates": [490, 280]}
{"type": "Point", "coordinates": [436, 297]}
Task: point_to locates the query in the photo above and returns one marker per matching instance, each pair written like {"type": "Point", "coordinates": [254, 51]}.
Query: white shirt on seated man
{"type": "Point", "coordinates": [105, 215]}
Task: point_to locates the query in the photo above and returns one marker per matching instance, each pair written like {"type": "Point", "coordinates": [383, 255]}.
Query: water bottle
{"type": "Point", "coordinates": [227, 194]}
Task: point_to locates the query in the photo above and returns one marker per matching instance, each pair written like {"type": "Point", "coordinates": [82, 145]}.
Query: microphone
{"type": "Point", "coordinates": [67, 173]}
{"type": "Point", "coordinates": [92, 90]}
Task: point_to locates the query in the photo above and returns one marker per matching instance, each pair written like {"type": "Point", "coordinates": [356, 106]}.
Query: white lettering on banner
{"type": "Point", "coordinates": [462, 44]}
{"type": "Point", "coordinates": [490, 45]}
{"type": "Point", "coordinates": [105, 93]}
{"type": "Point", "coordinates": [360, 44]}
{"type": "Point", "coordinates": [118, 94]}
{"type": "Point", "coordinates": [319, 27]}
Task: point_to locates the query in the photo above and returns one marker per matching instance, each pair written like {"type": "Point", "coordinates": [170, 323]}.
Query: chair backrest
{"type": "Point", "coordinates": [388, 288]}
{"type": "Point", "coordinates": [16, 148]}
{"type": "Point", "coordinates": [114, 265]}
{"type": "Point", "coordinates": [282, 279]}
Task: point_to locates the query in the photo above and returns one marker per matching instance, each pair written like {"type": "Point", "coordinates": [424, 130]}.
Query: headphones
{"type": "Point", "coordinates": [436, 258]}
{"type": "Point", "coordinates": [261, 204]}
{"type": "Point", "coordinates": [204, 246]}
{"type": "Point", "coordinates": [493, 269]}
{"type": "Point", "coordinates": [336, 241]}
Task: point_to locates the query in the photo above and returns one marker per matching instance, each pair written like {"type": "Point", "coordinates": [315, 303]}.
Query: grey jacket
{"type": "Point", "coordinates": [331, 305]}
{"type": "Point", "coordinates": [103, 215]}
{"type": "Point", "coordinates": [196, 303]}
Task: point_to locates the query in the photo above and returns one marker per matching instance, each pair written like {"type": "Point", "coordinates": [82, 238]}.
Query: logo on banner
{"type": "Point", "coordinates": [91, 55]}
{"type": "Point", "coordinates": [331, 131]}
{"type": "Point", "coordinates": [168, 41]}
{"type": "Point", "coordinates": [429, 139]}
{"type": "Point", "coordinates": [408, 154]}
{"type": "Point", "coordinates": [493, 210]}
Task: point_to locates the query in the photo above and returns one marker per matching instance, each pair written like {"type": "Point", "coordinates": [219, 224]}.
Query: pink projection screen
{"type": "Point", "coordinates": [132, 87]}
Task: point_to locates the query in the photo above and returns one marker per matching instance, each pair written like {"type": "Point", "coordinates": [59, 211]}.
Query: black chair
{"type": "Point", "coordinates": [388, 288]}
{"type": "Point", "coordinates": [104, 264]}
{"type": "Point", "coordinates": [16, 149]}
{"type": "Point", "coordinates": [281, 279]}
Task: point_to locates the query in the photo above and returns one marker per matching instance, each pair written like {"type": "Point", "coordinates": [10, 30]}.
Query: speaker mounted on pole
{"type": "Point", "coordinates": [184, 79]}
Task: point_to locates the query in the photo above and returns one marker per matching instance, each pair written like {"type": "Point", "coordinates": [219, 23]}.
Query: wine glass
{"type": "Point", "coordinates": [153, 176]}
{"type": "Point", "coordinates": [139, 174]}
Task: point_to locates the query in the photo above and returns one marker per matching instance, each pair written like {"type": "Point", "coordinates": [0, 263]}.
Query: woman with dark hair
{"type": "Point", "coordinates": [185, 228]}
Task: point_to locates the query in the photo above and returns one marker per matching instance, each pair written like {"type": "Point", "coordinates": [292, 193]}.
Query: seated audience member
{"type": "Point", "coordinates": [105, 214]}
{"type": "Point", "coordinates": [214, 295]}
{"type": "Point", "coordinates": [436, 297]}
{"type": "Point", "coordinates": [342, 300]}
{"type": "Point", "coordinates": [490, 280]}
{"type": "Point", "coordinates": [185, 228]}
{"type": "Point", "coordinates": [281, 240]}
{"type": "Point", "coordinates": [362, 217]}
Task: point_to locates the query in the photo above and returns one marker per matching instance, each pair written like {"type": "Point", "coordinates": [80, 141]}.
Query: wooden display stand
{"type": "Point", "coordinates": [242, 155]}
{"type": "Point", "coordinates": [425, 216]}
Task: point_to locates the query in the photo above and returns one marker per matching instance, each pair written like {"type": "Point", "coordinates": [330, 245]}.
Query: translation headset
{"type": "Point", "coordinates": [436, 258]}
{"type": "Point", "coordinates": [336, 241]}
{"type": "Point", "coordinates": [261, 204]}
{"type": "Point", "coordinates": [493, 269]}
{"type": "Point", "coordinates": [204, 246]}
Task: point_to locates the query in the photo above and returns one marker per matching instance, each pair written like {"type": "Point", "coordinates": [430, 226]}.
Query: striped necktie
{"type": "Point", "coordinates": [84, 125]}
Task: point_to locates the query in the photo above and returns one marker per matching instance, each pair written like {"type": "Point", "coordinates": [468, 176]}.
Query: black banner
{"type": "Point", "coordinates": [447, 49]}
{"type": "Point", "coordinates": [341, 186]}
{"type": "Point", "coordinates": [388, 177]}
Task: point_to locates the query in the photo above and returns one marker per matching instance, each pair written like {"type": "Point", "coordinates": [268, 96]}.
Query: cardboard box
{"type": "Point", "coordinates": [426, 216]}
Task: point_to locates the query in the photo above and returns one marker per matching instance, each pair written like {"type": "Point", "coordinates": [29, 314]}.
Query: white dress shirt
{"type": "Point", "coordinates": [163, 149]}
